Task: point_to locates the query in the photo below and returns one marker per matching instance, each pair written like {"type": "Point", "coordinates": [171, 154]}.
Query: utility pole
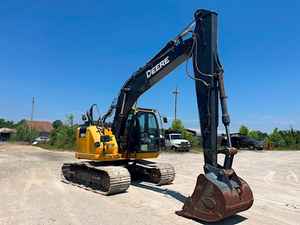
{"type": "Point", "coordinates": [32, 109]}
{"type": "Point", "coordinates": [31, 119]}
{"type": "Point", "coordinates": [176, 93]}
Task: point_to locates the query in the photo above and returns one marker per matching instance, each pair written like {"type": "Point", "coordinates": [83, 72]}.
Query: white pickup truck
{"type": "Point", "coordinates": [176, 142]}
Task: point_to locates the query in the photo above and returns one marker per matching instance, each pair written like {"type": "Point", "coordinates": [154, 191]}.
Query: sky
{"type": "Point", "coordinates": [71, 54]}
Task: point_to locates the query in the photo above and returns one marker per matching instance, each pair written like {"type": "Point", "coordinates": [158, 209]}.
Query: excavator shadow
{"type": "Point", "coordinates": [160, 189]}
{"type": "Point", "coordinates": [236, 219]}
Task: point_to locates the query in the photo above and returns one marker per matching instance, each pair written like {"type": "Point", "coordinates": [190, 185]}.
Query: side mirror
{"type": "Point", "coordinates": [83, 117]}
{"type": "Point", "coordinates": [165, 119]}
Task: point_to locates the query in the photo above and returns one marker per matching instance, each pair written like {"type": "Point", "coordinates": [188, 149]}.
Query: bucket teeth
{"type": "Point", "coordinates": [213, 199]}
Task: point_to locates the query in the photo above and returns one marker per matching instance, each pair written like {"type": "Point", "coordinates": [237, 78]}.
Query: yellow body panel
{"type": "Point", "coordinates": [89, 146]}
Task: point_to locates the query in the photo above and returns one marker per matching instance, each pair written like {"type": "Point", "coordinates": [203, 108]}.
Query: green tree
{"type": "Point", "coordinates": [253, 134]}
{"type": "Point", "coordinates": [290, 138]}
{"type": "Point", "coordinates": [258, 135]}
{"type": "Point", "coordinates": [25, 133]}
{"type": "Point", "coordinates": [57, 123]}
{"type": "Point", "coordinates": [6, 123]}
{"type": "Point", "coordinates": [244, 130]}
{"type": "Point", "coordinates": [70, 120]}
{"type": "Point", "coordinates": [63, 135]}
{"type": "Point", "coordinates": [276, 139]}
{"type": "Point", "coordinates": [21, 122]}
{"type": "Point", "coordinates": [298, 137]}
{"type": "Point", "coordinates": [178, 126]}
{"type": "Point", "coordinates": [262, 135]}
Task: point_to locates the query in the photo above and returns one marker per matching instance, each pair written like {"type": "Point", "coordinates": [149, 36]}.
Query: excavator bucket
{"type": "Point", "coordinates": [215, 199]}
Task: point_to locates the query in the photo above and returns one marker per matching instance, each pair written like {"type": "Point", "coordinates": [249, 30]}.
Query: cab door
{"type": "Point", "coordinates": [144, 135]}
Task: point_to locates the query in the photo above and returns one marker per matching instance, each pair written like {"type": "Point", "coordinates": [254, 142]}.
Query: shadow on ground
{"type": "Point", "coordinates": [236, 219]}
{"type": "Point", "coordinates": [174, 194]}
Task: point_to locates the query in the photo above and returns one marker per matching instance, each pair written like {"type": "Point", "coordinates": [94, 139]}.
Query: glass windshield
{"type": "Point", "coordinates": [176, 136]}
{"type": "Point", "coordinates": [152, 125]}
{"type": "Point", "coordinates": [148, 132]}
{"type": "Point", "coordinates": [142, 121]}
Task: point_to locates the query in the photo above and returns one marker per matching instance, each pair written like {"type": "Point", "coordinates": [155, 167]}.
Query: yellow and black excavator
{"type": "Point", "coordinates": [117, 152]}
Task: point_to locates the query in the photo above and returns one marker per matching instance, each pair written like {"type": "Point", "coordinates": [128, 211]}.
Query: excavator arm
{"type": "Point", "coordinates": [220, 192]}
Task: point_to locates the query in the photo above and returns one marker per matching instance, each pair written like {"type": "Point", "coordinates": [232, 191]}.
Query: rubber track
{"type": "Point", "coordinates": [119, 177]}
{"type": "Point", "coordinates": [167, 173]}
{"type": "Point", "coordinates": [158, 173]}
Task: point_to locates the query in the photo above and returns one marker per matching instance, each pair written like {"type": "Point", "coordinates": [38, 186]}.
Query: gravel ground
{"type": "Point", "coordinates": [32, 194]}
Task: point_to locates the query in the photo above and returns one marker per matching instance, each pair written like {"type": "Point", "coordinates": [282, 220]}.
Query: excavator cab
{"type": "Point", "coordinates": [142, 133]}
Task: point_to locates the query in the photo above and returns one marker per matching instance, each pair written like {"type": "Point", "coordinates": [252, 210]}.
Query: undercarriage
{"type": "Point", "coordinates": [108, 178]}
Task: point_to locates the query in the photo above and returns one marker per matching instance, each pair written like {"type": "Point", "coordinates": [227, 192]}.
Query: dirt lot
{"type": "Point", "coordinates": [32, 194]}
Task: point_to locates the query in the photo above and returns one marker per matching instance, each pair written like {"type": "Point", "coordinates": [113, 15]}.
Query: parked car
{"type": "Point", "coordinates": [41, 139]}
{"type": "Point", "coordinates": [176, 142]}
{"type": "Point", "coordinates": [240, 141]}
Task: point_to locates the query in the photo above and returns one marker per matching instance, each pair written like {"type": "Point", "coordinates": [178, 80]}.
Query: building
{"type": "Point", "coordinates": [5, 133]}
{"type": "Point", "coordinates": [44, 128]}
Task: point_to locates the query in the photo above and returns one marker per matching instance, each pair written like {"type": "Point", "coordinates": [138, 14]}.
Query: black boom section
{"type": "Point", "coordinates": [172, 55]}
{"type": "Point", "coordinates": [204, 63]}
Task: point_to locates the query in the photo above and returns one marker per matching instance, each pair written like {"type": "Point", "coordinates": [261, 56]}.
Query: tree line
{"type": "Point", "coordinates": [23, 132]}
{"type": "Point", "coordinates": [63, 134]}
{"type": "Point", "coordinates": [277, 139]}
{"type": "Point", "coordinates": [61, 137]}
